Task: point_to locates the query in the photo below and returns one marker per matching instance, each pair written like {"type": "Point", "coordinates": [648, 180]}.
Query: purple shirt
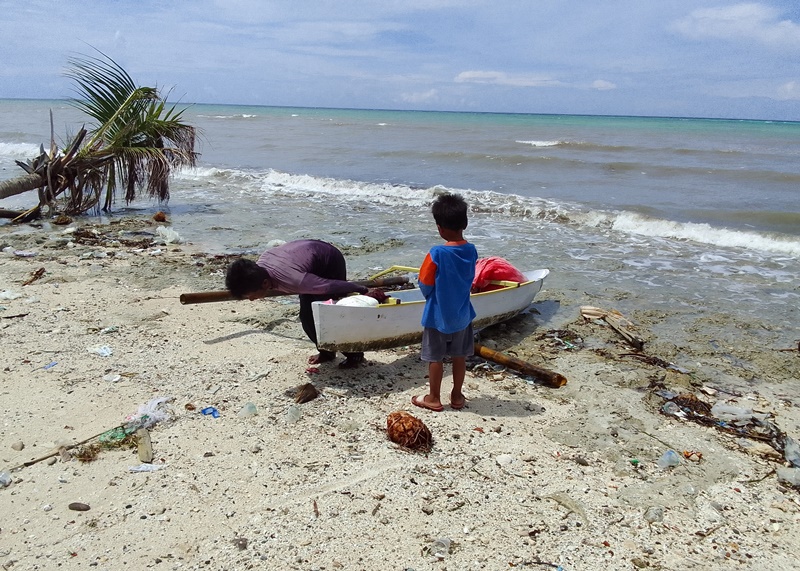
{"type": "Point", "coordinates": [307, 267]}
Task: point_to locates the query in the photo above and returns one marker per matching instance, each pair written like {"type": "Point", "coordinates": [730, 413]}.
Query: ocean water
{"type": "Point", "coordinates": [689, 218]}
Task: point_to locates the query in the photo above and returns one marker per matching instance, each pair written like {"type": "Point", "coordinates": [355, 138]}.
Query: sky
{"type": "Point", "coordinates": [676, 58]}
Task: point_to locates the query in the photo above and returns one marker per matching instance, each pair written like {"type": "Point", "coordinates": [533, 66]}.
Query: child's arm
{"type": "Point", "coordinates": [427, 276]}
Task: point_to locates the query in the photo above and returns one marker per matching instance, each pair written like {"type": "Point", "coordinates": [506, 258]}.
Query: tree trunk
{"type": "Point", "coordinates": [21, 184]}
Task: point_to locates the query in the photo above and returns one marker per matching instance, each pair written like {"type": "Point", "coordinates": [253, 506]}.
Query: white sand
{"type": "Point", "coordinates": [524, 474]}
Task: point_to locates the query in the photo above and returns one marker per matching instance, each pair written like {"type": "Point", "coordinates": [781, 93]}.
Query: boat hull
{"type": "Point", "coordinates": [352, 329]}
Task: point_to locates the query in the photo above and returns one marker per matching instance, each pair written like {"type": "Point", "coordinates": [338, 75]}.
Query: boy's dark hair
{"type": "Point", "coordinates": [244, 276]}
{"type": "Point", "coordinates": [450, 211]}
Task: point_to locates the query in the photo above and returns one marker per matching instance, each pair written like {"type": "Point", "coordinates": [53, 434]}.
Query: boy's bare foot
{"type": "Point", "coordinates": [321, 358]}
{"type": "Point", "coordinates": [458, 402]}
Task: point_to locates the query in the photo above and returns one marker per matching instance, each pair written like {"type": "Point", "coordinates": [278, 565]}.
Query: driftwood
{"type": "Point", "coordinates": [61, 451]}
{"type": "Point", "coordinates": [34, 276]}
{"type": "Point", "coordinates": [617, 322]}
{"type": "Point", "coordinates": [546, 376]}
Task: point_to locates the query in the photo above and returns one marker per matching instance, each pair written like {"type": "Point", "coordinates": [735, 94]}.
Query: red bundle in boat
{"type": "Point", "coordinates": [494, 268]}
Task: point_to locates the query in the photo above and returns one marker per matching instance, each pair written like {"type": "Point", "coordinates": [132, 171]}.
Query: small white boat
{"type": "Point", "coordinates": [348, 328]}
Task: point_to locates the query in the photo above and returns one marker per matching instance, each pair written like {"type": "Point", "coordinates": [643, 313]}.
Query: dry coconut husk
{"type": "Point", "coordinates": [306, 393]}
{"type": "Point", "coordinates": [408, 431]}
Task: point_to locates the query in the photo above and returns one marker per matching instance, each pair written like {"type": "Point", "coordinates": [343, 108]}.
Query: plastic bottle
{"type": "Point", "coordinates": [441, 547]}
{"type": "Point", "coordinates": [669, 459]}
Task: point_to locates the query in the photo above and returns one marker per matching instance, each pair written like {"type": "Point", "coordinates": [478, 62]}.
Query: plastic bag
{"type": "Point", "coordinates": [358, 301]}
{"type": "Point", "coordinates": [494, 268]}
{"type": "Point", "coordinates": [148, 414]}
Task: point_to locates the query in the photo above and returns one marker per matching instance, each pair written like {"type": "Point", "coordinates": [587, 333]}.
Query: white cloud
{"type": "Point", "coordinates": [423, 97]}
{"type": "Point", "coordinates": [789, 90]}
{"type": "Point", "coordinates": [603, 85]}
{"type": "Point", "coordinates": [503, 78]}
{"type": "Point", "coordinates": [741, 21]}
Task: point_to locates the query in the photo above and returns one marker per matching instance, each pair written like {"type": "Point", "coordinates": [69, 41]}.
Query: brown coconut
{"type": "Point", "coordinates": [306, 393]}
{"type": "Point", "coordinates": [408, 431]}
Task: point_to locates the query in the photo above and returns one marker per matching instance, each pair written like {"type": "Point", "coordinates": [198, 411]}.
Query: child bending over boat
{"type": "Point", "coordinates": [311, 268]}
{"type": "Point", "coordinates": [445, 279]}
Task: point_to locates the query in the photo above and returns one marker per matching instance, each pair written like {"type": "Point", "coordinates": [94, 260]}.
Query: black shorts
{"type": "Point", "coordinates": [437, 345]}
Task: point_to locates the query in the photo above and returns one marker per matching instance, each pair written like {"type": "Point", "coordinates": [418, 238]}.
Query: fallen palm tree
{"type": "Point", "coordinates": [135, 144]}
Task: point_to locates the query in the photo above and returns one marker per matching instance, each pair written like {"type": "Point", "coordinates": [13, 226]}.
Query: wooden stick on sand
{"type": "Point", "coordinates": [546, 376]}
{"type": "Point", "coordinates": [616, 321]}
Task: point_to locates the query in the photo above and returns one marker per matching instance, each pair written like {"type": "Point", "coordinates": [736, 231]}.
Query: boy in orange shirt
{"type": "Point", "coordinates": [445, 279]}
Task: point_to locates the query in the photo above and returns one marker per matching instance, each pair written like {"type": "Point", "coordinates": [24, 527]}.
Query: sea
{"type": "Point", "coordinates": [682, 218]}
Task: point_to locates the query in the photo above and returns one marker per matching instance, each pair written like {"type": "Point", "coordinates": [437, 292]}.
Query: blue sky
{"type": "Point", "coordinates": [692, 58]}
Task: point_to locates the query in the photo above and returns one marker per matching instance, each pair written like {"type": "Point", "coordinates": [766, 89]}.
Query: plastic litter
{"type": "Point", "coordinates": [669, 459]}
{"type": "Point", "coordinates": [293, 413]}
{"type": "Point", "coordinates": [248, 409]}
{"type": "Point", "coordinates": [6, 294]}
{"type": "Point", "coordinates": [791, 451]}
{"type": "Point", "coordinates": [210, 411]}
{"type": "Point", "coordinates": [789, 476]}
{"type": "Point", "coordinates": [148, 414]}
{"type": "Point", "coordinates": [169, 235]}
{"type": "Point", "coordinates": [147, 468]}
{"type": "Point", "coordinates": [735, 414]}
{"type": "Point", "coordinates": [117, 434]}
{"type": "Point", "coordinates": [358, 301]}
{"type": "Point", "coordinates": [102, 350]}
{"type": "Point", "coordinates": [441, 547]}
{"type": "Point", "coordinates": [50, 365]}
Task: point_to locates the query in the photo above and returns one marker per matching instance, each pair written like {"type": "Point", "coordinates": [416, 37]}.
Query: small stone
{"type": "Point", "coordinates": [79, 507]}
{"type": "Point", "coordinates": [19, 445]}
{"type": "Point", "coordinates": [504, 459]}
{"type": "Point", "coordinates": [52, 460]}
{"type": "Point", "coordinates": [47, 507]}
{"type": "Point", "coordinates": [654, 514]}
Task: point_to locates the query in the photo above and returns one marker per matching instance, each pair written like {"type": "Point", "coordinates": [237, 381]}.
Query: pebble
{"type": "Point", "coordinates": [504, 459]}
{"type": "Point", "coordinates": [79, 507]}
{"type": "Point", "coordinates": [52, 460]}
{"type": "Point", "coordinates": [19, 445]}
{"type": "Point", "coordinates": [654, 514]}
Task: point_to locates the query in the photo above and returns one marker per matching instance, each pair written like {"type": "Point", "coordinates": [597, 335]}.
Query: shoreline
{"type": "Point", "coordinates": [524, 476]}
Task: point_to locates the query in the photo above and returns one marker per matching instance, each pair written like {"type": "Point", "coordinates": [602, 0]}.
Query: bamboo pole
{"type": "Point", "coordinates": [225, 295]}
{"type": "Point", "coordinates": [548, 377]}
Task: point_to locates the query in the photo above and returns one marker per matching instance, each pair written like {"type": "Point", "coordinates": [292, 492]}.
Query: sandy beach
{"type": "Point", "coordinates": [526, 476]}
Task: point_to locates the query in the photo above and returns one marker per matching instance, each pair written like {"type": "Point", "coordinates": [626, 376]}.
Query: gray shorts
{"type": "Point", "coordinates": [437, 345]}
